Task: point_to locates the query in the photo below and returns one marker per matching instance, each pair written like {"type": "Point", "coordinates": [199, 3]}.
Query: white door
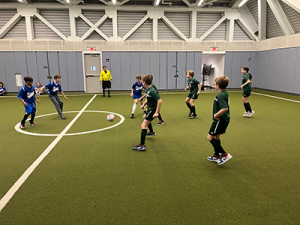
{"type": "Point", "coordinates": [92, 67]}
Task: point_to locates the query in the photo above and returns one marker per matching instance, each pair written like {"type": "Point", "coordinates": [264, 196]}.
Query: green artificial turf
{"type": "Point", "coordinates": [97, 179]}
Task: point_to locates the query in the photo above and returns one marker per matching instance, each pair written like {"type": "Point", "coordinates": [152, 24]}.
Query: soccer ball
{"type": "Point", "coordinates": [110, 117]}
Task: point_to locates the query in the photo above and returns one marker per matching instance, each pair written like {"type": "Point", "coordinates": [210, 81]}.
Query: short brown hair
{"type": "Point", "coordinates": [57, 76]}
{"type": "Point", "coordinates": [222, 82]}
{"type": "Point", "coordinates": [191, 73]}
{"type": "Point", "coordinates": [148, 79]}
{"type": "Point", "coordinates": [27, 78]}
{"type": "Point", "coordinates": [138, 77]}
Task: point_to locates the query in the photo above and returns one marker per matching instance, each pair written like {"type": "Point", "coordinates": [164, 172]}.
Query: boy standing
{"type": "Point", "coordinates": [136, 93]}
{"type": "Point", "coordinates": [53, 88]}
{"type": "Point", "coordinates": [28, 98]}
{"type": "Point", "coordinates": [154, 103]}
{"type": "Point", "coordinates": [221, 119]}
{"type": "Point", "coordinates": [193, 95]}
{"type": "Point", "coordinates": [105, 80]}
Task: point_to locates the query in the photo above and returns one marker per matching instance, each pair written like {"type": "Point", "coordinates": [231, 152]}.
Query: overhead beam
{"type": "Point", "coordinates": [262, 19]}
{"type": "Point", "coordinates": [281, 17]}
{"type": "Point", "coordinates": [247, 28]}
{"type": "Point", "coordinates": [94, 27]}
{"type": "Point", "coordinates": [247, 16]}
{"type": "Point", "coordinates": [173, 28]}
{"type": "Point", "coordinates": [295, 4]}
{"type": "Point", "coordinates": [10, 24]}
{"type": "Point", "coordinates": [140, 23]}
{"type": "Point", "coordinates": [212, 28]}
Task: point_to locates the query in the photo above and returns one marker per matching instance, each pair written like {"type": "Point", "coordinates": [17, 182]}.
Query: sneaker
{"type": "Point", "coordinates": [151, 134]}
{"type": "Point", "coordinates": [63, 117]}
{"type": "Point", "coordinates": [139, 148]}
{"type": "Point", "coordinates": [132, 115]}
{"type": "Point", "coordinates": [109, 96]}
{"type": "Point", "coordinates": [32, 124]}
{"type": "Point", "coordinates": [22, 125]}
{"type": "Point", "coordinates": [160, 122]}
{"type": "Point", "coordinates": [103, 95]}
{"type": "Point", "coordinates": [250, 113]}
{"type": "Point", "coordinates": [193, 117]}
{"type": "Point", "coordinates": [190, 113]}
{"type": "Point", "coordinates": [213, 159]}
{"type": "Point", "coordinates": [224, 158]}
{"type": "Point", "coordinates": [245, 113]}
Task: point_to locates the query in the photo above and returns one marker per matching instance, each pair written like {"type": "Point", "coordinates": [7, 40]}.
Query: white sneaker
{"type": "Point", "coordinates": [250, 113]}
{"type": "Point", "coordinates": [213, 159]}
{"type": "Point", "coordinates": [224, 159]}
{"type": "Point", "coordinates": [245, 113]}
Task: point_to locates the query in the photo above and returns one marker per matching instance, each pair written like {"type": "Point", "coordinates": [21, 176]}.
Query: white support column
{"type": "Point", "coordinates": [295, 4]}
{"type": "Point", "coordinates": [73, 14]}
{"type": "Point", "coordinates": [112, 14]}
{"type": "Point", "coordinates": [193, 25]}
{"type": "Point", "coordinates": [29, 28]}
{"type": "Point", "coordinates": [262, 19]}
{"type": "Point", "coordinates": [140, 23]}
{"type": "Point", "coordinates": [212, 28]}
{"type": "Point", "coordinates": [51, 26]}
{"type": "Point", "coordinates": [10, 24]}
{"type": "Point", "coordinates": [155, 29]}
{"type": "Point", "coordinates": [174, 28]}
{"type": "Point", "coordinates": [281, 17]}
{"type": "Point", "coordinates": [155, 14]}
{"type": "Point", "coordinates": [230, 30]}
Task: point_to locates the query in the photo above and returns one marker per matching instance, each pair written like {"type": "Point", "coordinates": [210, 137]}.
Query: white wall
{"type": "Point", "coordinates": [218, 62]}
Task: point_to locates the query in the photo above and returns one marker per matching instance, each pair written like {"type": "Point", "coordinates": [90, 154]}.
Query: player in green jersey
{"type": "Point", "coordinates": [246, 86]}
{"type": "Point", "coordinates": [221, 119]}
{"type": "Point", "coordinates": [193, 95]}
{"type": "Point", "coordinates": [154, 103]}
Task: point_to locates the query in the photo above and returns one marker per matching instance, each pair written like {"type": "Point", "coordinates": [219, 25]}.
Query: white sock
{"type": "Point", "coordinates": [133, 108]}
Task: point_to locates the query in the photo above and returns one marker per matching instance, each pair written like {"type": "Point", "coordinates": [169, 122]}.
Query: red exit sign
{"type": "Point", "coordinates": [92, 49]}
{"type": "Point", "coordinates": [214, 49]}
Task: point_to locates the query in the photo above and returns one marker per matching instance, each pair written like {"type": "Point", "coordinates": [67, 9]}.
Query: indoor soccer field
{"type": "Point", "coordinates": [83, 170]}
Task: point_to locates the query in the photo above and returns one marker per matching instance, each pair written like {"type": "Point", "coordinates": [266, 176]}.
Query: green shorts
{"type": "Point", "coordinates": [218, 127]}
{"type": "Point", "coordinates": [246, 92]}
{"type": "Point", "coordinates": [149, 114]}
{"type": "Point", "coordinates": [193, 95]}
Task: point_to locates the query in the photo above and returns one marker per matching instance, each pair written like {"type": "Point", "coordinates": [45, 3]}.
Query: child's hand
{"type": "Point", "coordinates": [216, 117]}
{"type": "Point", "coordinates": [66, 98]}
{"type": "Point", "coordinates": [131, 94]}
{"type": "Point", "coordinates": [24, 103]}
{"type": "Point", "coordinates": [142, 106]}
{"type": "Point", "coordinates": [155, 115]}
{"type": "Point", "coordinates": [38, 101]}
{"type": "Point", "coordinates": [185, 89]}
{"type": "Point", "coordinates": [242, 87]}
{"type": "Point", "coordinates": [198, 92]}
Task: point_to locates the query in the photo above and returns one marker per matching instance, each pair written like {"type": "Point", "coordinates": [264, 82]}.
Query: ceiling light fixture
{"type": "Point", "coordinates": [157, 2]}
{"type": "Point", "coordinates": [68, 1]}
{"type": "Point", "coordinates": [20, 0]}
{"type": "Point", "coordinates": [114, 2]}
{"type": "Point", "coordinates": [200, 2]}
{"type": "Point", "coordinates": [242, 3]}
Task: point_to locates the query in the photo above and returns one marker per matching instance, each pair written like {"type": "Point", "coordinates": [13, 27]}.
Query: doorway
{"type": "Point", "coordinates": [218, 63]}
{"type": "Point", "coordinates": [92, 70]}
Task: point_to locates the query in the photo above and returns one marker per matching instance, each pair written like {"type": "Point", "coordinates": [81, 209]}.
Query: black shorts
{"type": "Point", "coordinates": [193, 95]}
{"type": "Point", "coordinates": [218, 127]}
{"type": "Point", "coordinates": [106, 84]}
{"type": "Point", "coordinates": [246, 93]}
{"type": "Point", "coordinates": [149, 114]}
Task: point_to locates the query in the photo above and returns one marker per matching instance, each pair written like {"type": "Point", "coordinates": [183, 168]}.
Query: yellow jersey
{"type": "Point", "coordinates": [105, 76]}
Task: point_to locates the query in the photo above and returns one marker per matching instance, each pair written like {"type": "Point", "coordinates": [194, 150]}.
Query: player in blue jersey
{"type": "Point", "coordinates": [136, 93]}
{"type": "Point", "coordinates": [53, 88]}
{"type": "Point", "coordinates": [28, 98]}
{"type": "Point", "coordinates": [2, 89]}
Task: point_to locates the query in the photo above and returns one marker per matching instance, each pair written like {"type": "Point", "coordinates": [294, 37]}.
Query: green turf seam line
{"type": "Point", "coordinates": [33, 166]}
{"type": "Point", "coordinates": [271, 96]}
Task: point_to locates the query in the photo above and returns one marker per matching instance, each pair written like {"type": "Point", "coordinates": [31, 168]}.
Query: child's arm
{"type": "Point", "coordinates": [42, 88]}
{"type": "Point", "coordinates": [64, 95]}
{"type": "Point", "coordinates": [187, 88]}
{"type": "Point", "coordinates": [23, 102]}
{"type": "Point", "coordinates": [200, 86]}
{"type": "Point", "coordinates": [131, 92]}
{"type": "Point", "coordinates": [159, 102]}
{"type": "Point", "coordinates": [141, 98]}
{"type": "Point", "coordinates": [247, 82]}
{"type": "Point", "coordinates": [220, 113]}
{"type": "Point", "coordinates": [145, 103]}
{"type": "Point", "coordinates": [36, 99]}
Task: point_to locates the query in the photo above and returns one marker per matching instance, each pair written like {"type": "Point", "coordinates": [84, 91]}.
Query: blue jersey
{"type": "Point", "coordinates": [2, 90]}
{"type": "Point", "coordinates": [27, 94]}
{"type": "Point", "coordinates": [53, 88]}
{"type": "Point", "coordinates": [137, 88]}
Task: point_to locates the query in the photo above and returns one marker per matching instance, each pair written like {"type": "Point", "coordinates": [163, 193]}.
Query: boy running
{"type": "Point", "coordinates": [28, 98]}
{"type": "Point", "coordinates": [53, 88]}
{"type": "Point", "coordinates": [221, 119]}
{"type": "Point", "coordinates": [154, 103]}
{"type": "Point", "coordinates": [193, 95]}
{"type": "Point", "coordinates": [136, 93]}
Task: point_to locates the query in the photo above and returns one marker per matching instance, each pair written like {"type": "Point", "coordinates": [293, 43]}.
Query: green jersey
{"type": "Point", "coordinates": [153, 85]}
{"type": "Point", "coordinates": [152, 97]}
{"type": "Point", "coordinates": [193, 85]}
{"type": "Point", "coordinates": [222, 102]}
{"type": "Point", "coordinates": [246, 77]}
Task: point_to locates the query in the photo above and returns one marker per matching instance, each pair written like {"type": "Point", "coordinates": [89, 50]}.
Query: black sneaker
{"type": "Point", "coordinates": [109, 96]}
{"type": "Point", "coordinates": [190, 113]}
{"type": "Point", "coordinates": [193, 117]}
{"type": "Point", "coordinates": [103, 95]}
{"type": "Point", "coordinates": [160, 122]}
{"type": "Point", "coordinates": [132, 115]}
{"type": "Point", "coordinates": [139, 148]}
{"type": "Point", "coordinates": [151, 134]}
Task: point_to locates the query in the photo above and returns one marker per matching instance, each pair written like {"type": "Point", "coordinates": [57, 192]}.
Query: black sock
{"type": "Point", "coordinates": [188, 105]}
{"type": "Point", "coordinates": [193, 109]}
{"type": "Point", "coordinates": [217, 146]}
{"type": "Point", "coordinates": [246, 107]}
{"type": "Point", "coordinates": [249, 107]}
{"type": "Point", "coordinates": [32, 118]}
{"type": "Point", "coordinates": [103, 92]}
{"type": "Point", "coordinates": [159, 117]}
{"type": "Point", "coordinates": [143, 136]}
{"type": "Point", "coordinates": [150, 127]}
{"type": "Point", "coordinates": [108, 91]}
{"type": "Point", "coordinates": [25, 118]}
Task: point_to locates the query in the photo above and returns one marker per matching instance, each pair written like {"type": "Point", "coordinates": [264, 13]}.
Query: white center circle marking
{"type": "Point", "coordinates": [17, 127]}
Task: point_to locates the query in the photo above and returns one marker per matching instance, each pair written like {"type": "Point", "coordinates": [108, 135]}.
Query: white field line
{"type": "Point", "coordinates": [271, 96]}
{"type": "Point", "coordinates": [30, 169]}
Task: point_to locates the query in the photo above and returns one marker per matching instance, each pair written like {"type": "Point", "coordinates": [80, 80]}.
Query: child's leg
{"type": "Point", "coordinates": [144, 126]}
{"type": "Point", "coordinates": [134, 105]}
{"type": "Point", "coordinates": [32, 117]}
{"type": "Point", "coordinates": [150, 128]}
{"type": "Point", "coordinates": [54, 98]}
{"type": "Point", "coordinates": [187, 102]}
{"type": "Point", "coordinates": [216, 143]}
{"type": "Point", "coordinates": [193, 109]}
{"type": "Point", "coordinates": [159, 117]}
{"type": "Point", "coordinates": [25, 118]}
{"type": "Point", "coordinates": [247, 104]}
